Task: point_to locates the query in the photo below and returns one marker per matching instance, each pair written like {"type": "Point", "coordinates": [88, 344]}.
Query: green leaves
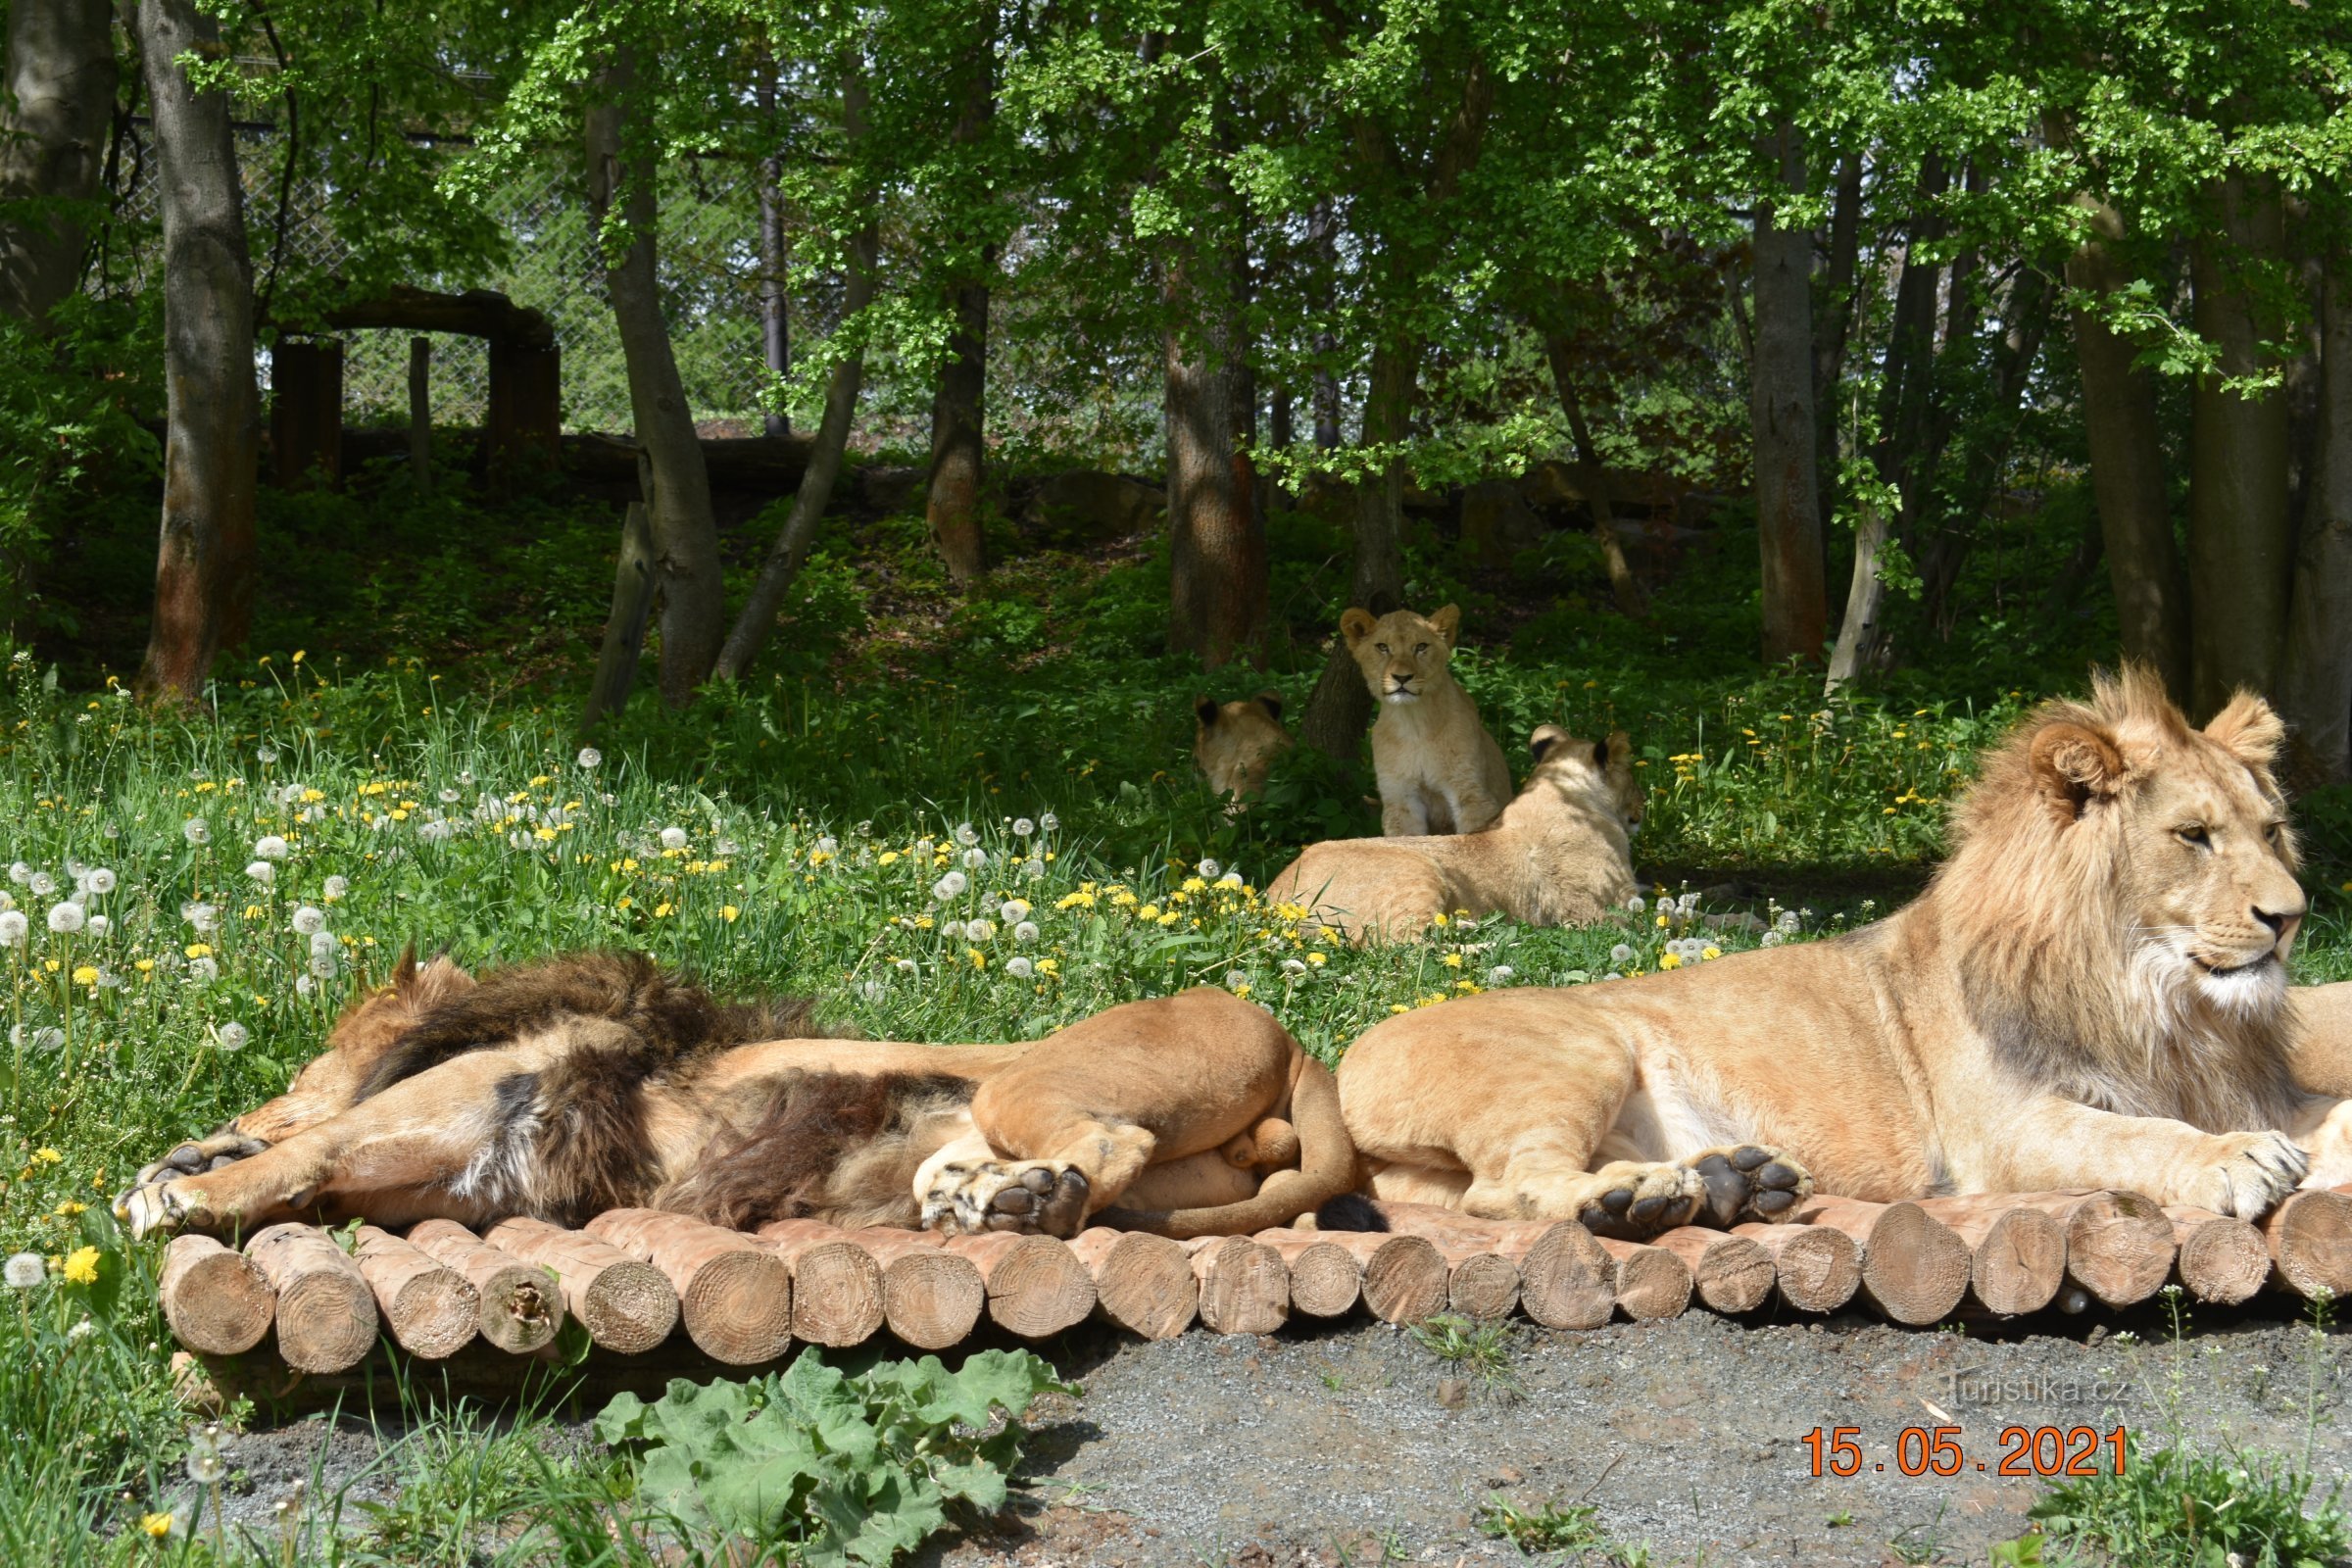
{"type": "Point", "coordinates": [845, 1469]}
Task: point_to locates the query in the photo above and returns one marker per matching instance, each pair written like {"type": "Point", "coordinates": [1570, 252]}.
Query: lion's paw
{"type": "Point", "coordinates": [1631, 1202]}
{"type": "Point", "coordinates": [198, 1155]}
{"type": "Point", "coordinates": [1028, 1196]}
{"type": "Point", "coordinates": [163, 1208]}
{"type": "Point", "coordinates": [2248, 1175]}
{"type": "Point", "coordinates": [1748, 1182]}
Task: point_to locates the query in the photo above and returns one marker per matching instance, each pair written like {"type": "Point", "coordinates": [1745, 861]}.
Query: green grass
{"type": "Point", "coordinates": [404, 725]}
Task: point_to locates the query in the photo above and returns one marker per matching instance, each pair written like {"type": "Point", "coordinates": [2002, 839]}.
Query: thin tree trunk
{"type": "Point", "coordinates": [1341, 708]}
{"type": "Point", "coordinates": [1593, 480]}
{"type": "Point", "coordinates": [775, 311]}
{"type": "Point", "coordinates": [2240, 554]}
{"type": "Point", "coordinates": [1217, 549]}
{"type": "Point", "coordinates": [620, 186]}
{"type": "Point", "coordinates": [791, 548]}
{"type": "Point", "coordinates": [1833, 321]}
{"type": "Point", "coordinates": [2315, 676]}
{"type": "Point", "coordinates": [2126, 471]}
{"type": "Point", "coordinates": [1788, 490]}
{"type": "Point", "coordinates": [53, 139]}
{"type": "Point", "coordinates": [1858, 636]}
{"type": "Point", "coordinates": [1325, 393]}
{"type": "Point", "coordinates": [952, 508]}
{"type": "Point", "coordinates": [2027, 321]}
{"type": "Point", "coordinates": [204, 574]}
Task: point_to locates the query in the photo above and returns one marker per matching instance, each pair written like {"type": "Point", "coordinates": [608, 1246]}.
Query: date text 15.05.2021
{"type": "Point", "coordinates": [1938, 1451]}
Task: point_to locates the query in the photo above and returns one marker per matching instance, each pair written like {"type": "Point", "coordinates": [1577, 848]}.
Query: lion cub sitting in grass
{"type": "Point", "coordinates": [1440, 771]}
{"type": "Point", "coordinates": [1234, 743]}
{"type": "Point", "coordinates": [1561, 855]}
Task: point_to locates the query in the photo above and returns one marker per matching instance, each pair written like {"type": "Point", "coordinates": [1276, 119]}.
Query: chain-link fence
{"type": "Point", "coordinates": [709, 267]}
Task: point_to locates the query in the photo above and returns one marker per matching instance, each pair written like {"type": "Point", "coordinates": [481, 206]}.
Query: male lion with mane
{"type": "Point", "coordinates": [598, 1081]}
{"type": "Point", "coordinates": [2091, 993]}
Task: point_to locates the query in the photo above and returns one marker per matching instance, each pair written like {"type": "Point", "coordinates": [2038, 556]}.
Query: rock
{"type": "Point", "coordinates": [1085, 506]}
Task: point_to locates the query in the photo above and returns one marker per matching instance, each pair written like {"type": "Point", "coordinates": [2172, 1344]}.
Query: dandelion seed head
{"type": "Point", "coordinates": [269, 847]}
{"type": "Point", "coordinates": [976, 859]}
{"type": "Point", "coordinates": [673, 838]}
{"type": "Point", "coordinates": [99, 880]}
{"type": "Point", "coordinates": [66, 918]}
{"type": "Point", "coordinates": [266, 756]}
{"type": "Point", "coordinates": [1502, 974]}
{"type": "Point", "coordinates": [43, 884]}
{"type": "Point", "coordinates": [1211, 869]}
{"type": "Point", "coordinates": [1013, 911]}
{"type": "Point", "coordinates": [1033, 867]}
{"type": "Point", "coordinates": [23, 1271]}
{"type": "Point", "coordinates": [907, 966]}
{"type": "Point", "coordinates": [322, 965]}
{"type": "Point", "coordinates": [322, 944]}
{"type": "Point", "coordinates": [1019, 968]}
{"type": "Point", "coordinates": [950, 885]}
{"type": "Point", "coordinates": [451, 796]}
{"type": "Point", "coordinates": [1047, 821]}
{"type": "Point", "coordinates": [1024, 931]}
{"type": "Point", "coordinates": [309, 920]}
{"type": "Point", "coordinates": [18, 872]}
{"type": "Point", "coordinates": [100, 925]}
{"type": "Point", "coordinates": [1293, 967]}
{"type": "Point", "coordinates": [924, 849]}
{"type": "Point", "coordinates": [196, 830]}
{"type": "Point", "coordinates": [262, 871]}
{"type": "Point", "coordinates": [979, 930]}
{"type": "Point", "coordinates": [1637, 904]}
{"type": "Point", "coordinates": [14, 928]}
{"type": "Point", "coordinates": [204, 971]}
{"type": "Point", "coordinates": [205, 917]}
{"type": "Point", "coordinates": [1621, 953]}
{"type": "Point", "coordinates": [589, 759]}
{"type": "Point", "coordinates": [232, 1036]}
{"type": "Point", "coordinates": [1235, 979]}
{"type": "Point", "coordinates": [1231, 879]}
{"type": "Point", "coordinates": [966, 834]}
{"type": "Point", "coordinates": [1022, 827]}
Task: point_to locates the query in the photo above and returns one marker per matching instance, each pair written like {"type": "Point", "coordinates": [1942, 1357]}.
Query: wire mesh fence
{"type": "Point", "coordinates": [710, 272]}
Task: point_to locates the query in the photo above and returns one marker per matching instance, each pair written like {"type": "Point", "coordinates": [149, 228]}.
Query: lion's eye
{"type": "Point", "coordinates": [1420, 648]}
{"type": "Point", "coordinates": [2195, 836]}
{"type": "Point", "coordinates": [1382, 647]}
{"type": "Point", "coordinates": [2272, 830]}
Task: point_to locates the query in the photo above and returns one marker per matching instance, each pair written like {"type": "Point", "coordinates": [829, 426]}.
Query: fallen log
{"type": "Point", "coordinates": [836, 1284]}
{"type": "Point", "coordinates": [1142, 1284]}
{"type": "Point", "coordinates": [625, 1304]}
{"type": "Point", "coordinates": [2217, 1258]}
{"type": "Point", "coordinates": [931, 1299]}
{"type": "Point", "coordinates": [1405, 1277]}
{"type": "Point", "coordinates": [432, 1311]}
{"type": "Point", "coordinates": [1565, 1280]}
{"type": "Point", "coordinates": [2119, 1245]}
{"type": "Point", "coordinates": [2017, 1253]}
{"type": "Point", "coordinates": [1481, 1284]}
{"type": "Point", "coordinates": [1650, 1281]}
{"type": "Point", "coordinates": [734, 1296]}
{"type": "Point", "coordinates": [1816, 1268]}
{"type": "Point", "coordinates": [1914, 1269]}
{"type": "Point", "coordinates": [1036, 1284]}
{"type": "Point", "coordinates": [2310, 1238]}
{"type": "Point", "coordinates": [1326, 1280]}
{"type": "Point", "coordinates": [520, 1306]}
{"type": "Point", "coordinates": [1730, 1273]}
{"type": "Point", "coordinates": [216, 1300]}
{"type": "Point", "coordinates": [1243, 1286]}
{"type": "Point", "coordinates": [326, 1312]}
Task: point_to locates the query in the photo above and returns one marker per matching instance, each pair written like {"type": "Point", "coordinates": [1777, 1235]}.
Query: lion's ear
{"type": "Point", "coordinates": [404, 972]}
{"type": "Point", "coordinates": [1545, 737]}
{"type": "Point", "coordinates": [2074, 766]}
{"type": "Point", "coordinates": [1205, 711]}
{"type": "Point", "coordinates": [1271, 702]}
{"type": "Point", "coordinates": [2249, 730]}
{"type": "Point", "coordinates": [1447, 622]}
{"type": "Point", "coordinates": [437, 982]}
{"type": "Point", "coordinates": [1356, 625]}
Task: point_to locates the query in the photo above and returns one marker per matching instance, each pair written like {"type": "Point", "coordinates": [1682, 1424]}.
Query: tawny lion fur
{"type": "Point", "coordinates": [599, 1081]}
{"type": "Point", "coordinates": [1440, 772]}
{"type": "Point", "coordinates": [1234, 743]}
{"type": "Point", "coordinates": [2091, 993]}
{"type": "Point", "coordinates": [1561, 854]}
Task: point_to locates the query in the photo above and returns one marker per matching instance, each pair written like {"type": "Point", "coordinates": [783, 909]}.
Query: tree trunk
{"type": "Point", "coordinates": [1787, 488]}
{"type": "Point", "coordinates": [2315, 676]}
{"type": "Point", "coordinates": [2126, 471]}
{"type": "Point", "coordinates": [1859, 640]}
{"type": "Point", "coordinates": [952, 508]}
{"type": "Point", "coordinates": [2027, 320]}
{"type": "Point", "coordinates": [204, 574]}
{"type": "Point", "coordinates": [53, 130]}
{"type": "Point", "coordinates": [1593, 478]}
{"type": "Point", "coordinates": [775, 311]}
{"type": "Point", "coordinates": [620, 186]}
{"type": "Point", "coordinates": [1341, 707]}
{"type": "Point", "coordinates": [2240, 554]}
{"type": "Point", "coordinates": [1325, 392]}
{"type": "Point", "coordinates": [1217, 555]}
{"type": "Point", "coordinates": [791, 548]}
{"type": "Point", "coordinates": [1832, 321]}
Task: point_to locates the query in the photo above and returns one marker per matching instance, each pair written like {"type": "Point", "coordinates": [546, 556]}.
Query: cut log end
{"type": "Point", "coordinates": [1483, 1287]}
{"type": "Point", "coordinates": [326, 1319]}
{"type": "Point", "coordinates": [1728, 1273]}
{"type": "Point", "coordinates": [1566, 1279]}
{"type": "Point", "coordinates": [2310, 1238]}
{"type": "Point", "coordinates": [1816, 1268]}
{"type": "Point", "coordinates": [2221, 1259]}
{"type": "Point", "coordinates": [1036, 1284]}
{"type": "Point", "coordinates": [432, 1311]}
{"type": "Point", "coordinates": [1142, 1284]}
{"type": "Point", "coordinates": [217, 1300]}
{"type": "Point", "coordinates": [1650, 1281]}
{"type": "Point", "coordinates": [1243, 1286]}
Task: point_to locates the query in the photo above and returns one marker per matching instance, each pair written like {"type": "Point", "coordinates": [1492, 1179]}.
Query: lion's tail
{"type": "Point", "coordinates": [1327, 1169]}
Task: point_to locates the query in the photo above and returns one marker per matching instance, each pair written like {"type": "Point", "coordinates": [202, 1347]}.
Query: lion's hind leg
{"type": "Point", "coordinates": [966, 1188]}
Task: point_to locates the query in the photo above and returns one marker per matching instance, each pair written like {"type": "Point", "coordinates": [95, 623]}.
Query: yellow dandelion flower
{"type": "Point", "coordinates": [1398, 1006]}
{"type": "Point", "coordinates": [1661, 922]}
{"type": "Point", "coordinates": [1319, 960]}
{"type": "Point", "coordinates": [81, 1266]}
{"type": "Point", "coordinates": [886, 858]}
{"type": "Point", "coordinates": [1710, 952]}
{"type": "Point", "coordinates": [979, 959]}
{"type": "Point", "coordinates": [728, 912]}
{"type": "Point", "coordinates": [156, 1525]}
{"type": "Point", "coordinates": [144, 965]}
{"type": "Point", "coordinates": [661, 910]}
{"type": "Point", "coordinates": [1670, 960]}
{"type": "Point", "coordinates": [624, 902]}
{"type": "Point", "coordinates": [46, 1156]}
{"type": "Point", "coordinates": [1047, 966]}
{"type": "Point", "coordinates": [85, 975]}
{"type": "Point", "coordinates": [69, 1209]}
{"type": "Point", "coordinates": [1451, 961]}
{"type": "Point", "coordinates": [543, 833]}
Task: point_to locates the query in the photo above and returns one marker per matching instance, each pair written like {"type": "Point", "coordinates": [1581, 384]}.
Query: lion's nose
{"type": "Point", "coordinates": [2279, 920]}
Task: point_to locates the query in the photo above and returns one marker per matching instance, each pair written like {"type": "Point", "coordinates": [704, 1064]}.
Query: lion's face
{"type": "Point", "coordinates": [2205, 859]}
{"type": "Point", "coordinates": [1402, 655]}
{"type": "Point", "coordinates": [1601, 767]}
{"type": "Point", "coordinates": [1234, 743]}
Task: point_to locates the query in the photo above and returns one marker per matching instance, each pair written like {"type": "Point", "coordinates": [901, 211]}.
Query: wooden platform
{"type": "Point", "coordinates": [653, 1295]}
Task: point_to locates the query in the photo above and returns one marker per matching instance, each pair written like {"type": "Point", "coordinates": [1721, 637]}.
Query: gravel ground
{"type": "Point", "coordinates": [1354, 1443]}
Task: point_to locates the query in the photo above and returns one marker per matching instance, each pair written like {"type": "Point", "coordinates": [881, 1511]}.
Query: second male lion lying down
{"type": "Point", "coordinates": [580, 1084]}
{"type": "Point", "coordinates": [2092, 993]}
{"type": "Point", "coordinates": [1560, 854]}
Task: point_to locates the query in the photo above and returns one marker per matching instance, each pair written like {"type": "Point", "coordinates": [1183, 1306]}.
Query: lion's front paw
{"type": "Point", "coordinates": [1028, 1196]}
{"type": "Point", "coordinates": [1749, 1182]}
{"type": "Point", "coordinates": [2248, 1174]}
{"type": "Point", "coordinates": [198, 1155]}
{"type": "Point", "coordinates": [1631, 1200]}
{"type": "Point", "coordinates": [163, 1208]}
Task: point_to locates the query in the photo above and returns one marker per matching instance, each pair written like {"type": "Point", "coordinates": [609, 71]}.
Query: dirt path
{"type": "Point", "coordinates": [1324, 1446]}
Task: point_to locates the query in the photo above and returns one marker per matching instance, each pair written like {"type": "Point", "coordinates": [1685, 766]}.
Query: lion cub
{"type": "Point", "coordinates": [1234, 743]}
{"type": "Point", "coordinates": [1440, 771]}
{"type": "Point", "coordinates": [1561, 855]}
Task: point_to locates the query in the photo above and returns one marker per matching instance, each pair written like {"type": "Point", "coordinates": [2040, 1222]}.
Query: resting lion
{"type": "Point", "coordinates": [2091, 993]}
{"type": "Point", "coordinates": [1561, 854]}
{"type": "Point", "coordinates": [597, 1081]}
{"type": "Point", "coordinates": [1234, 743]}
{"type": "Point", "coordinates": [1440, 772]}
